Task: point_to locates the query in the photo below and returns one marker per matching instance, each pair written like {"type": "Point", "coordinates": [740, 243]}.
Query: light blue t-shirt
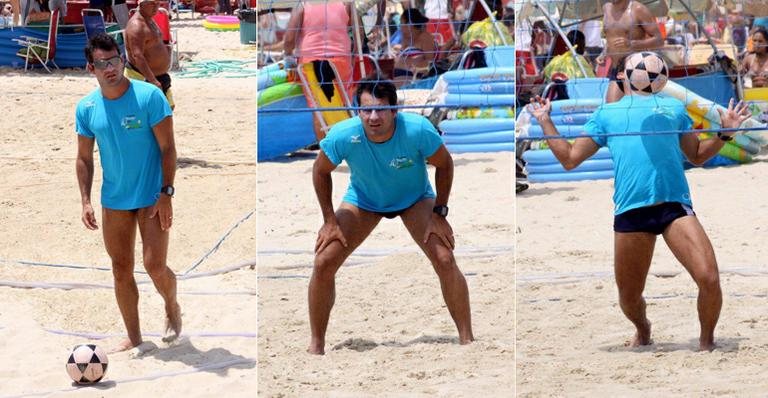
{"type": "Point", "coordinates": [648, 169]}
{"type": "Point", "coordinates": [130, 156]}
{"type": "Point", "coordinates": [388, 176]}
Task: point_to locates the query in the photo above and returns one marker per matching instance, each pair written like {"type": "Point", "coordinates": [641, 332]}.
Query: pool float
{"type": "Point", "coordinates": [571, 176]}
{"type": "Point", "coordinates": [480, 75]}
{"type": "Point", "coordinates": [557, 167]}
{"type": "Point", "coordinates": [490, 137]}
{"type": "Point", "coordinates": [545, 156]}
{"type": "Point", "coordinates": [470, 126]}
{"type": "Point", "coordinates": [474, 100]}
{"type": "Point", "coordinates": [482, 88]}
{"type": "Point", "coordinates": [485, 147]}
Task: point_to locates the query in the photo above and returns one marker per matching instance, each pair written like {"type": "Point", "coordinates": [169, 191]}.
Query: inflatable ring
{"type": "Point", "coordinates": [220, 27]}
{"type": "Point", "coordinates": [482, 88]}
{"type": "Point", "coordinates": [566, 130]}
{"type": "Point", "coordinates": [566, 119]}
{"type": "Point", "coordinates": [223, 19]}
{"type": "Point", "coordinates": [480, 75]}
{"type": "Point", "coordinates": [267, 80]}
{"type": "Point", "coordinates": [571, 176]}
{"type": "Point", "coordinates": [470, 126]}
{"type": "Point", "coordinates": [490, 147]}
{"type": "Point", "coordinates": [480, 99]}
{"type": "Point", "coordinates": [278, 92]}
{"type": "Point", "coordinates": [545, 156]}
{"type": "Point", "coordinates": [587, 165]}
{"type": "Point", "coordinates": [490, 137]}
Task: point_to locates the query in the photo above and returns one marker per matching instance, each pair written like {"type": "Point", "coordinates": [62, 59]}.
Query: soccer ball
{"type": "Point", "coordinates": [87, 364]}
{"type": "Point", "coordinates": [647, 72]}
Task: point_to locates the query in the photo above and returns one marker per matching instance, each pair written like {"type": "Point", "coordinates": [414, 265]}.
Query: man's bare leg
{"type": "Point", "coordinates": [356, 225]}
{"type": "Point", "coordinates": [690, 245]}
{"type": "Point", "coordinates": [632, 260]}
{"type": "Point", "coordinates": [452, 282]}
{"type": "Point", "coordinates": [613, 93]}
{"type": "Point", "coordinates": [155, 250]}
{"type": "Point", "coordinates": [119, 231]}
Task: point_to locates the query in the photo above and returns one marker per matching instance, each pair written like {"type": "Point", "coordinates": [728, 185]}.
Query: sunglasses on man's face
{"type": "Point", "coordinates": [103, 63]}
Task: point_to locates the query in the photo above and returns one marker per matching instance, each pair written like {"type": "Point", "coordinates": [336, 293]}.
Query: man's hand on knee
{"type": "Point", "coordinates": [329, 232]}
{"type": "Point", "coordinates": [440, 227]}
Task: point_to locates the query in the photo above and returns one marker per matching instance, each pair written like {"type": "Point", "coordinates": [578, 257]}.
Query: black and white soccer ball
{"type": "Point", "coordinates": [87, 364]}
{"type": "Point", "coordinates": [647, 72]}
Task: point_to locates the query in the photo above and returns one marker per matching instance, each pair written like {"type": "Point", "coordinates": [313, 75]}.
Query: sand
{"type": "Point", "coordinates": [390, 333]}
{"type": "Point", "coordinates": [40, 222]}
{"type": "Point", "coordinates": [570, 330]}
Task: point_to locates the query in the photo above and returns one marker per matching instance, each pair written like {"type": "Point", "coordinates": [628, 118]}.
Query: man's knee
{"type": "Point", "coordinates": [709, 281]}
{"type": "Point", "coordinates": [122, 270]}
{"type": "Point", "coordinates": [444, 261]}
{"type": "Point", "coordinates": [327, 263]}
{"type": "Point", "coordinates": [156, 269]}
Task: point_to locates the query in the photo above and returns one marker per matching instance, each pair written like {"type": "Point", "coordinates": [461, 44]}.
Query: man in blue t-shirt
{"type": "Point", "coordinates": [386, 152]}
{"type": "Point", "coordinates": [651, 194]}
{"type": "Point", "coordinates": [132, 124]}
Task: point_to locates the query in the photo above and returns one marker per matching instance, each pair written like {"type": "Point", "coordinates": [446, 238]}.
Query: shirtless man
{"type": "Point", "coordinates": [629, 27]}
{"type": "Point", "coordinates": [149, 58]}
{"type": "Point", "coordinates": [755, 65]}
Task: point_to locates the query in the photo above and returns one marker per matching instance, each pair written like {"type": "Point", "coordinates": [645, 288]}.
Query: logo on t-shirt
{"type": "Point", "coordinates": [131, 122]}
{"type": "Point", "coordinates": [355, 139]}
{"type": "Point", "coordinates": [401, 162]}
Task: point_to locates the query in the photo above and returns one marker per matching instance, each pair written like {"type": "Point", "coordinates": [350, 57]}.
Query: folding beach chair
{"type": "Point", "coordinates": [317, 95]}
{"type": "Point", "coordinates": [40, 51]}
{"type": "Point", "coordinates": [93, 22]}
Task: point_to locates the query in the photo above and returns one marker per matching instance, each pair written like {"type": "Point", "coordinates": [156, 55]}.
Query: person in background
{"type": "Point", "coordinates": [319, 33]}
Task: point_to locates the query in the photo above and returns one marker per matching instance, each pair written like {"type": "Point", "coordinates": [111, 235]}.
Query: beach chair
{"type": "Point", "coordinates": [40, 51]}
{"type": "Point", "coordinates": [93, 22]}
{"type": "Point", "coordinates": [316, 96]}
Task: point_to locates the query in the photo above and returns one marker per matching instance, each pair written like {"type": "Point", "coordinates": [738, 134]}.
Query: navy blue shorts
{"type": "Point", "coordinates": [652, 219]}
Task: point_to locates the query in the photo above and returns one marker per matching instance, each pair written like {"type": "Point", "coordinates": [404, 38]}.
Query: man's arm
{"type": "Point", "coordinates": [292, 30]}
{"type": "Point", "coordinates": [163, 132]}
{"type": "Point", "coordinates": [698, 152]}
{"type": "Point", "coordinates": [84, 170]}
{"type": "Point", "coordinates": [647, 21]}
{"type": "Point", "coordinates": [323, 183]}
{"type": "Point", "coordinates": [443, 163]}
{"type": "Point", "coordinates": [439, 225]}
{"type": "Point", "coordinates": [568, 155]}
{"type": "Point", "coordinates": [134, 39]}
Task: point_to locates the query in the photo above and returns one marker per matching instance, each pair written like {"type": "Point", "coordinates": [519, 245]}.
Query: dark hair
{"type": "Point", "coordinates": [762, 31]}
{"type": "Point", "coordinates": [577, 39]}
{"type": "Point", "coordinates": [413, 17]}
{"type": "Point", "coordinates": [101, 41]}
{"type": "Point", "coordinates": [377, 87]}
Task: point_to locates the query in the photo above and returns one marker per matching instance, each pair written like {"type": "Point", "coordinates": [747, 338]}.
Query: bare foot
{"type": "Point", "coordinates": [316, 348]}
{"type": "Point", "coordinates": [707, 346]}
{"type": "Point", "coordinates": [466, 341]}
{"type": "Point", "coordinates": [642, 336]}
{"type": "Point", "coordinates": [124, 345]}
{"type": "Point", "coordinates": [142, 349]}
{"type": "Point", "coordinates": [172, 323]}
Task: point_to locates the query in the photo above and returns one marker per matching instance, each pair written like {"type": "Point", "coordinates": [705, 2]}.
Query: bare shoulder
{"type": "Point", "coordinates": [640, 9]}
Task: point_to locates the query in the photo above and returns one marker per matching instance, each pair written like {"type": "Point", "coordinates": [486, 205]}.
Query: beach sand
{"type": "Point", "coordinates": [390, 333]}
{"type": "Point", "coordinates": [40, 223]}
{"type": "Point", "coordinates": [571, 331]}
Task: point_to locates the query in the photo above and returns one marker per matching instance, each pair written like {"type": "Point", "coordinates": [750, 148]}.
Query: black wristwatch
{"type": "Point", "coordinates": [442, 211]}
{"type": "Point", "coordinates": [168, 190]}
{"type": "Point", "coordinates": [724, 137]}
